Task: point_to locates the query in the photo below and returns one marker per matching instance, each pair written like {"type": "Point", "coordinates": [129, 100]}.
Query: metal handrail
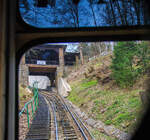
{"type": "Point", "coordinates": [34, 103]}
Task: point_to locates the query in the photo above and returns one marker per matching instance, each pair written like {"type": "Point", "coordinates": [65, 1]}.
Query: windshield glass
{"type": "Point", "coordinates": [84, 13]}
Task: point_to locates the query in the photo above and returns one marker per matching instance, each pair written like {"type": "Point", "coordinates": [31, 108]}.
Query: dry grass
{"type": "Point", "coordinates": [24, 96]}
{"type": "Point", "coordinates": [108, 103]}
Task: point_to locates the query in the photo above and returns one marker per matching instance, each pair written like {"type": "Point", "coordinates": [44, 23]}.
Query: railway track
{"type": "Point", "coordinates": [64, 124]}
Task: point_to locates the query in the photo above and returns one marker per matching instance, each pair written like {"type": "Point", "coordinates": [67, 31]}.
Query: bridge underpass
{"type": "Point", "coordinates": [46, 60]}
{"type": "Point", "coordinates": [45, 75]}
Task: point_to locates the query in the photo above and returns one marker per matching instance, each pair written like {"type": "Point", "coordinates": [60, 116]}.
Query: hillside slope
{"type": "Point", "coordinates": [96, 93]}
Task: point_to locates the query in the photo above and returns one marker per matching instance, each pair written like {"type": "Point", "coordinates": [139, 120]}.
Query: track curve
{"type": "Point", "coordinates": [60, 123]}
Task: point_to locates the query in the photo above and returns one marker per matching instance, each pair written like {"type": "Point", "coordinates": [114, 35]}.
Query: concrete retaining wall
{"type": "Point", "coordinates": [63, 87]}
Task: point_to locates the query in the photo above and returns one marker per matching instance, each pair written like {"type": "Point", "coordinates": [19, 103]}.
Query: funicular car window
{"type": "Point", "coordinates": [84, 13]}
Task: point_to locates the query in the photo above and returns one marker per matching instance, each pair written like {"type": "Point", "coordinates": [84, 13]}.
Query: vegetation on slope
{"type": "Point", "coordinates": [24, 95]}
{"type": "Point", "coordinates": [118, 107]}
{"type": "Point", "coordinates": [130, 61]}
{"type": "Point", "coordinates": [96, 90]}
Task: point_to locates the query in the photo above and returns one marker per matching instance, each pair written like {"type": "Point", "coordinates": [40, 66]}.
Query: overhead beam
{"type": "Point", "coordinates": [93, 35]}
{"type": "Point", "coordinates": [42, 69]}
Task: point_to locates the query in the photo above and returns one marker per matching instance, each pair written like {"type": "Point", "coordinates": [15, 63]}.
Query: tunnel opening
{"type": "Point", "coordinates": [46, 78]}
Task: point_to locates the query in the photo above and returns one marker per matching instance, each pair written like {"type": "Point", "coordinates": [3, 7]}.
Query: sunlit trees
{"type": "Point", "coordinates": [123, 70]}
{"type": "Point", "coordinates": [131, 60]}
{"type": "Point", "coordinates": [95, 48]}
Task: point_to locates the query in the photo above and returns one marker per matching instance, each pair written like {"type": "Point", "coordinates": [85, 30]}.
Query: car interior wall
{"type": "Point", "coordinates": [2, 69]}
{"type": "Point", "coordinates": [8, 70]}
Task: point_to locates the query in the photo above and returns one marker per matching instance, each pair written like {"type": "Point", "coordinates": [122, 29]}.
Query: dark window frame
{"type": "Point", "coordinates": [29, 28]}
{"type": "Point", "coordinates": [91, 37]}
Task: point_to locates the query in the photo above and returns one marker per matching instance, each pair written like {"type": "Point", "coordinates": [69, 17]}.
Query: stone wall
{"type": "Point", "coordinates": [23, 72]}
{"type": "Point", "coordinates": [63, 87]}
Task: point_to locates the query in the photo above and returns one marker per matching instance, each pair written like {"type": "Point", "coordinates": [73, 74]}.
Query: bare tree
{"type": "Point", "coordinates": [68, 13]}
{"type": "Point", "coordinates": [125, 12]}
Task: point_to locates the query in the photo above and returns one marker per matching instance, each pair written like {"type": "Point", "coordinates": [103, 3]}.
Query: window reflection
{"type": "Point", "coordinates": [84, 13]}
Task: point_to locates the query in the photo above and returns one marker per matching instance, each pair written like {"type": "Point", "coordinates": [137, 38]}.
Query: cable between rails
{"type": "Point", "coordinates": [73, 114]}
{"type": "Point", "coordinates": [55, 120]}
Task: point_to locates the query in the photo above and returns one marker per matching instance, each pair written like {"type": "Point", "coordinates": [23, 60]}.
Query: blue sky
{"type": "Point", "coordinates": [50, 17]}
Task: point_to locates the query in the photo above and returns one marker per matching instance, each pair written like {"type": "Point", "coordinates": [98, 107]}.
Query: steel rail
{"type": "Point", "coordinates": [55, 120]}
{"type": "Point", "coordinates": [75, 120]}
{"type": "Point", "coordinates": [80, 128]}
{"type": "Point", "coordinates": [74, 116]}
{"type": "Point", "coordinates": [79, 119]}
{"type": "Point", "coordinates": [84, 125]}
{"type": "Point", "coordinates": [55, 99]}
